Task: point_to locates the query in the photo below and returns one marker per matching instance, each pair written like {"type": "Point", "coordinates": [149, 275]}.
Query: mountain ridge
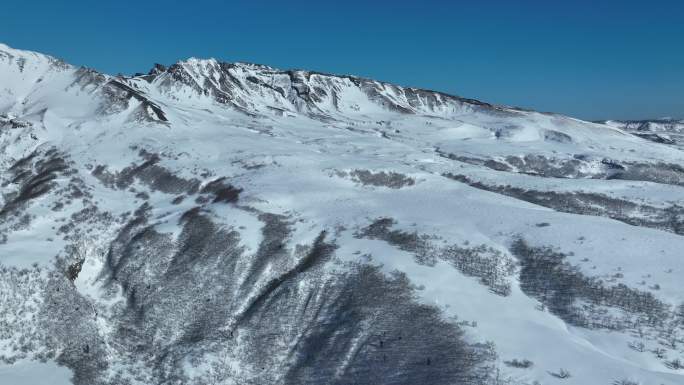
{"type": "Point", "coordinates": [292, 73]}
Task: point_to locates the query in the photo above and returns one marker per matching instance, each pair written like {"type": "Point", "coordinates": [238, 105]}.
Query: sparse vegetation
{"type": "Point", "coordinates": [675, 364]}
{"type": "Point", "coordinates": [637, 345]}
{"type": "Point", "coordinates": [625, 382]}
{"type": "Point", "coordinates": [389, 179]}
{"type": "Point", "coordinates": [520, 364]}
{"type": "Point", "coordinates": [491, 266]}
{"type": "Point", "coordinates": [670, 218]}
{"type": "Point", "coordinates": [562, 374]}
{"type": "Point", "coordinates": [582, 300]}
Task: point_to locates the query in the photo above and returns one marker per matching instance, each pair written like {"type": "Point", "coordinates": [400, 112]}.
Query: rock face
{"type": "Point", "coordinates": [231, 223]}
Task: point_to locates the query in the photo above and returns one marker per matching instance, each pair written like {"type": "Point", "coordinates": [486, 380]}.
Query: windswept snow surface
{"type": "Point", "coordinates": [232, 223]}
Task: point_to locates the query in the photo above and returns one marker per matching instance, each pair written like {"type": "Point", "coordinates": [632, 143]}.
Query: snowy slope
{"type": "Point", "coordinates": [667, 131]}
{"type": "Point", "coordinates": [232, 223]}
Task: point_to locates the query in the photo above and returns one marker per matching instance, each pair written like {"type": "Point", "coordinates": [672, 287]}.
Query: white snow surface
{"type": "Point", "coordinates": [291, 156]}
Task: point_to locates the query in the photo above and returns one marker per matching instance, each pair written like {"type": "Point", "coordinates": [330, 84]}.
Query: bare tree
{"type": "Point", "coordinates": [562, 373]}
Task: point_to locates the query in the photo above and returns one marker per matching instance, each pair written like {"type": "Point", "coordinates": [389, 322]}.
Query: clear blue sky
{"type": "Point", "coordinates": [589, 59]}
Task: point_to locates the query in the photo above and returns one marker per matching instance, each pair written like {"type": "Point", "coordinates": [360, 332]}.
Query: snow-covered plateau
{"type": "Point", "coordinates": [230, 223]}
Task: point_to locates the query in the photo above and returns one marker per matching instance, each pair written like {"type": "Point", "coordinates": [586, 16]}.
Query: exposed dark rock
{"type": "Point", "coordinates": [74, 269]}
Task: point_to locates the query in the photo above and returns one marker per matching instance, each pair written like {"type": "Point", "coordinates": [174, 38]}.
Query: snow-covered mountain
{"type": "Point", "coordinates": [668, 131]}
{"type": "Point", "coordinates": [231, 223]}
